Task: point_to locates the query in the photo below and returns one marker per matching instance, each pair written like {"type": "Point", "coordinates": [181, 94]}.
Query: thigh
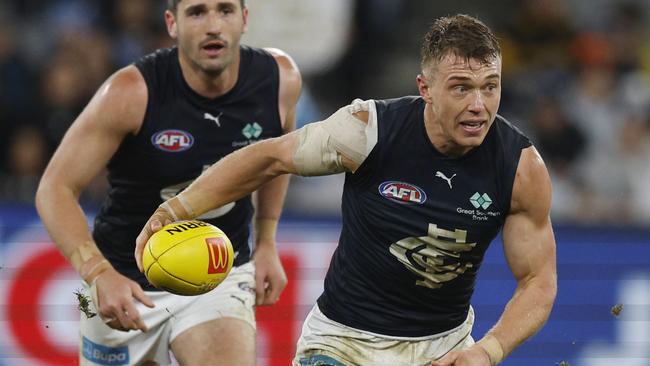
{"type": "Point", "coordinates": [224, 341]}
{"type": "Point", "coordinates": [218, 328]}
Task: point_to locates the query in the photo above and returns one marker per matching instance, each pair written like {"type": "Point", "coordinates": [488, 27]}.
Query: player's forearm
{"type": "Point", "coordinates": [66, 223]}
{"type": "Point", "coordinates": [62, 216]}
{"type": "Point", "coordinates": [525, 313]}
{"type": "Point", "coordinates": [238, 175]}
{"type": "Point", "coordinates": [269, 200]}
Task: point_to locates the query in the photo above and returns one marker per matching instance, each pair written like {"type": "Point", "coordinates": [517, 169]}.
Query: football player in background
{"type": "Point", "coordinates": [430, 181]}
{"type": "Point", "coordinates": [156, 125]}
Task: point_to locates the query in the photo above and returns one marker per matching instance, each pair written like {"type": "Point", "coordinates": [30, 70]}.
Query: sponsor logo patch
{"type": "Point", "coordinates": [172, 140]}
{"type": "Point", "coordinates": [402, 192]}
{"type": "Point", "coordinates": [252, 130]}
{"type": "Point", "coordinates": [104, 355]}
{"type": "Point", "coordinates": [218, 255]}
{"type": "Point", "coordinates": [480, 200]}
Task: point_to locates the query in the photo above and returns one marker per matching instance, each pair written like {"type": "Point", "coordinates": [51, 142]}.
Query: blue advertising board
{"type": "Point", "coordinates": [601, 316]}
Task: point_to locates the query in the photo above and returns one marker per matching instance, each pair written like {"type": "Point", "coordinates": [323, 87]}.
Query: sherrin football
{"type": "Point", "coordinates": [187, 257]}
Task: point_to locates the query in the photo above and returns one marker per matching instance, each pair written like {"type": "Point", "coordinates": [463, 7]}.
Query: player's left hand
{"type": "Point", "coordinates": [270, 278]}
{"type": "Point", "coordinates": [160, 218]}
{"type": "Point", "coordinates": [472, 356]}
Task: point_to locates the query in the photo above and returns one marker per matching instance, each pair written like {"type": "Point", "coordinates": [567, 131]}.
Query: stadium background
{"type": "Point", "coordinates": [576, 79]}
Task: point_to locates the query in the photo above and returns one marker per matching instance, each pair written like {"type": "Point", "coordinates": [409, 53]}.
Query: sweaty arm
{"type": "Point", "coordinates": [339, 143]}
{"type": "Point", "coordinates": [115, 111]}
{"type": "Point", "coordinates": [529, 247]}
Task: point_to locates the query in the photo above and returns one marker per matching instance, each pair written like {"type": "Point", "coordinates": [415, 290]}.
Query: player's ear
{"type": "Point", "coordinates": [423, 87]}
{"type": "Point", "coordinates": [170, 21]}
{"type": "Point", "coordinates": [244, 14]}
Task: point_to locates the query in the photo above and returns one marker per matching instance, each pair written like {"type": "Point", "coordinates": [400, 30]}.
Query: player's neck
{"type": "Point", "coordinates": [439, 139]}
{"type": "Point", "coordinates": [210, 85]}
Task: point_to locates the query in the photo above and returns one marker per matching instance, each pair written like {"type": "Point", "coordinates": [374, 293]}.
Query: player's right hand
{"type": "Point", "coordinates": [160, 218]}
{"type": "Point", "coordinates": [113, 294]}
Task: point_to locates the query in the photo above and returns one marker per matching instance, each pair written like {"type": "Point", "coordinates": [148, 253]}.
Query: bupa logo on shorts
{"type": "Point", "coordinates": [104, 355]}
{"type": "Point", "coordinates": [402, 192]}
{"type": "Point", "coordinates": [172, 140]}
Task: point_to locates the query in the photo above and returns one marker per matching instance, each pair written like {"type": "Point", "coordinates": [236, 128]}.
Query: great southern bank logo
{"type": "Point", "coordinates": [252, 130]}
{"type": "Point", "coordinates": [480, 200]}
{"type": "Point", "coordinates": [172, 140]}
{"type": "Point", "coordinates": [402, 192]}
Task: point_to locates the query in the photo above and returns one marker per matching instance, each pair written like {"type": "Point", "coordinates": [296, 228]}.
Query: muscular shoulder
{"type": "Point", "coordinates": [531, 192]}
{"type": "Point", "coordinates": [122, 100]}
{"type": "Point", "coordinates": [290, 84]}
{"type": "Point", "coordinates": [290, 78]}
{"type": "Point", "coordinates": [288, 68]}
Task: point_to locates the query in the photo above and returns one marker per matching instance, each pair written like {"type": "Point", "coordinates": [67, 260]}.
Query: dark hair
{"type": "Point", "coordinates": [172, 5]}
{"type": "Point", "coordinates": [461, 35]}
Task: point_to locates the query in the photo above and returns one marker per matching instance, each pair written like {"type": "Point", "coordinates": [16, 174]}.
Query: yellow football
{"type": "Point", "coordinates": [187, 257]}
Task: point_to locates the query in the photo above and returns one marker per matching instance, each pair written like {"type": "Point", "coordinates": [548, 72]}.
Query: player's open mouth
{"type": "Point", "coordinates": [213, 48]}
{"type": "Point", "coordinates": [472, 126]}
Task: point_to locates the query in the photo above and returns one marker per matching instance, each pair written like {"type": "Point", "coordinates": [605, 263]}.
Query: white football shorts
{"type": "Point", "coordinates": [328, 343]}
{"type": "Point", "coordinates": [173, 314]}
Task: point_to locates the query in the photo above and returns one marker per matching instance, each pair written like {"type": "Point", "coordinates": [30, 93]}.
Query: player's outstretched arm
{"type": "Point", "coordinates": [529, 246]}
{"type": "Point", "coordinates": [334, 145]}
{"type": "Point", "coordinates": [115, 111]}
{"type": "Point", "coordinates": [231, 178]}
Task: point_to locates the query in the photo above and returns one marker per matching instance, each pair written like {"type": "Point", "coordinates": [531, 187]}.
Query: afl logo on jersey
{"type": "Point", "coordinates": [172, 140]}
{"type": "Point", "coordinates": [402, 192]}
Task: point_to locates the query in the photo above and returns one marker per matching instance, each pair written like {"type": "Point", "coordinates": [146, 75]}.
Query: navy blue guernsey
{"type": "Point", "coordinates": [416, 225]}
{"type": "Point", "coordinates": [182, 134]}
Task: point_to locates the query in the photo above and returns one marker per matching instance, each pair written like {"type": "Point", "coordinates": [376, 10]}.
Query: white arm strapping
{"type": "Point", "coordinates": [321, 144]}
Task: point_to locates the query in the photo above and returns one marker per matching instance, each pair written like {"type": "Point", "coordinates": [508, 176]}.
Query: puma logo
{"type": "Point", "coordinates": [207, 115]}
{"type": "Point", "coordinates": [440, 174]}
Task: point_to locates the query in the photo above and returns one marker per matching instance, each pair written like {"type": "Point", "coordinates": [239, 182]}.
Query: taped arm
{"type": "Point", "coordinates": [320, 148]}
{"type": "Point", "coordinates": [339, 143]}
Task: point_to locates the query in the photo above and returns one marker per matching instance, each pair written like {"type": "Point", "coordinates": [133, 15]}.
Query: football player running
{"type": "Point", "coordinates": [430, 181]}
{"type": "Point", "coordinates": [156, 125]}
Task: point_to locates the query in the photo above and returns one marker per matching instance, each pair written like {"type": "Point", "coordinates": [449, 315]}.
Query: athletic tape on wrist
{"type": "Point", "coordinates": [88, 261]}
{"type": "Point", "coordinates": [493, 349]}
{"type": "Point", "coordinates": [265, 229]}
{"type": "Point", "coordinates": [178, 208]}
{"type": "Point", "coordinates": [93, 272]}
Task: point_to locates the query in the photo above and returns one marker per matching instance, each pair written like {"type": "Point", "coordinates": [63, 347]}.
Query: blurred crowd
{"type": "Point", "coordinates": [576, 80]}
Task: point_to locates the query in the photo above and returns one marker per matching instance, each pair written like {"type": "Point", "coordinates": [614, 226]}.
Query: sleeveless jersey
{"type": "Point", "coordinates": [182, 134]}
{"type": "Point", "coordinates": [416, 225]}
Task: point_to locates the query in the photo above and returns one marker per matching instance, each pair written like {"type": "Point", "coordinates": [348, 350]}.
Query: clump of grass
{"type": "Point", "coordinates": [84, 304]}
